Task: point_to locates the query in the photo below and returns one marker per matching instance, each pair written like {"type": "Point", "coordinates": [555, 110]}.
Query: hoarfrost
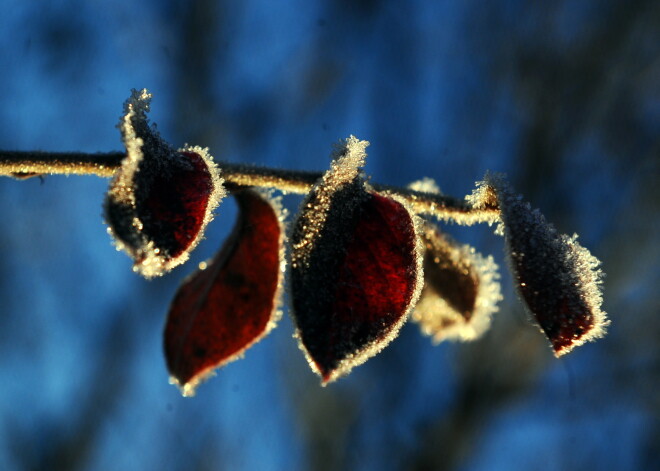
{"type": "Point", "coordinates": [460, 292]}
{"type": "Point", "coordinates": [558, 279]}
{"type": "Point", "coordinates": [150, 159]}
{"type": "Point", "coordinates": [348, 159]}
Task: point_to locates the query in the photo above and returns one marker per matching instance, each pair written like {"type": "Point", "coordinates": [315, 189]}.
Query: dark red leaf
{"type": "Point", "coordinates": [355, 268]}
{"type": "Point", "coordinates": [161, 199]}
{"type": "Point", "coordinates": [222, 310]}
{"type": "Point", "coordinates": [460, 289]}
{"type": "Point", "coordinates": [558, 279]}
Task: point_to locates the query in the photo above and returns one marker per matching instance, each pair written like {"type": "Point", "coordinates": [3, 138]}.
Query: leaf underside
{"type": "Point", "coordinates": [222, 310]}
{"type": "Point", "coordinates": [558, 279]}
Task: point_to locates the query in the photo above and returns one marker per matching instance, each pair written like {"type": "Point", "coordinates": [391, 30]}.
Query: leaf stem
{"type": "Point", "coordinates": [24, 164]}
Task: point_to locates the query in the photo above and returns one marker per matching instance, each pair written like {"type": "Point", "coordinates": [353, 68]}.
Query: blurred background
{"type": "Point", "coordinates": [562, 96]}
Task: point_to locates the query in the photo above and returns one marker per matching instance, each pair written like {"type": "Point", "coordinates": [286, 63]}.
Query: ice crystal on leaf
{"type": "Point", "coordinates": [558, 279]}
{"type": "Point", "coordinates": [161, 199]}
{"type": "Point", "coordinates": [355, 267]}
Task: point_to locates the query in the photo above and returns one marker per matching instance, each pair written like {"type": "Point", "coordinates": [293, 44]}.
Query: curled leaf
{"type": "Point", "coordinates": [232, 301]}
{"type": "Point", "coordinates": [160, 200]}
{"type": "Point", "coordinates": [460, 291]}
{"type": "Point", "coordinates": [558, 279]}
{"type": "Point", "coordinates": [355, 267]}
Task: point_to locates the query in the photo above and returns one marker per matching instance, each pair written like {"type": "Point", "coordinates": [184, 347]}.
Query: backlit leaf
{"type": "Point", "coordinates": [356, 269]}
{"type": "Point", "coordinates": [558, 279]}
{"type": "Point", "coordinates": [232, 301]}
{"type": "Point", "coordinates": [460, 291]}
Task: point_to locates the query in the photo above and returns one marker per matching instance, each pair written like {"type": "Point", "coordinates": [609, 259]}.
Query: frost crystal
{"type": "Point", "coordinates": [348, 159]}
{"type": "Point", "coordinates": [426, 185]}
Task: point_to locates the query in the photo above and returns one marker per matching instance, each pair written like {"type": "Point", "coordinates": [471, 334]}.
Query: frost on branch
{"type": "Point", "coordinates": [558, 279]}
{"type": "Point", "coordinates": [231, 302]}
{"type": "Point", "coordinates": [460, 291]}
{"type": "Point", "coordinates": [355, 267]}
{"type": "Point", "coordinates": [161, 199]}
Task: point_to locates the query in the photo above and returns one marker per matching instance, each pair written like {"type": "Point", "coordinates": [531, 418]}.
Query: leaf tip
{"type": "Point", "coordinates": [188, 387]}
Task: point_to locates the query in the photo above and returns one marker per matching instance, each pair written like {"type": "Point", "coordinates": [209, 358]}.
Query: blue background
{"type": "Point", "coordinates": [562, 96]}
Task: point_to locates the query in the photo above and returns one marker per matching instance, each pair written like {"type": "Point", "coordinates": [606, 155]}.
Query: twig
{"type": "Point", "coordinates": [22, 164]}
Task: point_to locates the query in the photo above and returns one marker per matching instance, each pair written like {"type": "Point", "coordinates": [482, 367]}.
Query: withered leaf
{"type": "Point", "coordinates": [356, 269]}
{"type": "Point", "coordinates": [233, 302]}
{"type": "Point", "coordinates": [160, 200]}
{"type": "Point", "coordinates": [558, 279]}
{"type": "Point", "coordinates": [460, 289]}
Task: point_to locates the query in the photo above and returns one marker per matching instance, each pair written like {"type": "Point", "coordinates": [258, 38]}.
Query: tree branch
{"type": "Point", "coordinates": [23, 164]}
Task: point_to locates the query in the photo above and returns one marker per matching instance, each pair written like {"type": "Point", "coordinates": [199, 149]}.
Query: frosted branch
{"type": "Point", "coordinates": [23, 164]}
